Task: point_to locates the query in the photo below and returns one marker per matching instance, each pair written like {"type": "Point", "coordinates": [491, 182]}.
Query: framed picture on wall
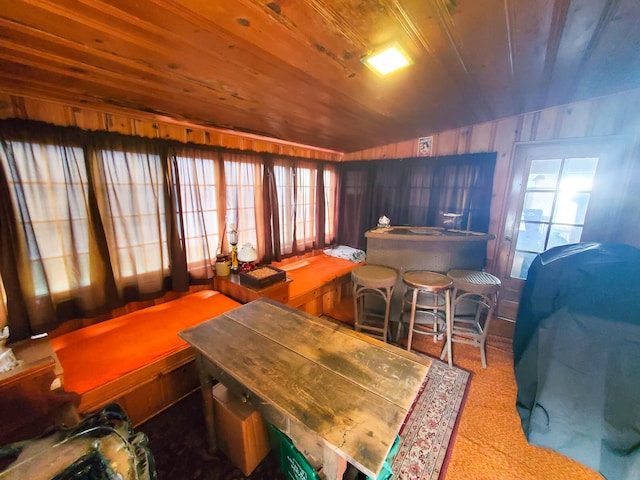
{"type": "Point", "coordinates": [425, 144]}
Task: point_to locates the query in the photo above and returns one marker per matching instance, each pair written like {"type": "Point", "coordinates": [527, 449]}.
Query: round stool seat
{"type": "Point", "coordinates": [429, 281]}
{"type": "Point", "coordinates": [482, 283]}
{"type": "Point", "coordinates": [374, 276]}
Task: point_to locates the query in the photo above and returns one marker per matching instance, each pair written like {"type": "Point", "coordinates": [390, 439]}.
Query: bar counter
{"type": "Point", "coordinates": [424, 248]}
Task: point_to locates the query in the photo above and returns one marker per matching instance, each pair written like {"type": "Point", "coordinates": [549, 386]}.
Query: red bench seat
{"type": "Point", "coordinates": [107, 360]}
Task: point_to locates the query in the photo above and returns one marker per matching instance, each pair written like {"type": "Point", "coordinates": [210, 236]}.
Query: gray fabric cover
{"type": "Point", "coordinates": [577, 356]}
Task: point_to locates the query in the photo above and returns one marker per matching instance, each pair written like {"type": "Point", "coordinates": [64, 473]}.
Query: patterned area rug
{"type": "Point", "coordinates": [428, 430]}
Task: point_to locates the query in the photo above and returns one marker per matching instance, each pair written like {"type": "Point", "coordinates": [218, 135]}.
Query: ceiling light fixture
{"type": "Point", "coordinates": [387, 60]}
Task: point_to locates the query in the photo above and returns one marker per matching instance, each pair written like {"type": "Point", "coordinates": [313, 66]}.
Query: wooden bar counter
{"type": "Point", "coordinates": [424, 248]}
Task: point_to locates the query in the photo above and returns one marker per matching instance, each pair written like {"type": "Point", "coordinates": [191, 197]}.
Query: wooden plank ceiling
{"type": "Point", "coordinates": [291, 69]}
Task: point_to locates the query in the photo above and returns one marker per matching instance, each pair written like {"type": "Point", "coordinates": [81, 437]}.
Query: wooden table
{"type": "Point", "coordinates": [341, 396]}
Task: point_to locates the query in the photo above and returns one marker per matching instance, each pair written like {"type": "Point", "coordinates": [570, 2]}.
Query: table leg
{"type": "Point", "coordinates": [333, 465]}
{"type": "Point", "coordinates": [206, 385]}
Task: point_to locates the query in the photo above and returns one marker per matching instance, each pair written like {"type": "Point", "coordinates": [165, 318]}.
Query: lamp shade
{"type": "Point", "coordinates": [247, 253]}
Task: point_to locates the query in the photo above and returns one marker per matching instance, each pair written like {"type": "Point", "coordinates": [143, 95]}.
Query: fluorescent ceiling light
{"type": "Point", "coordinates": [387, 60]}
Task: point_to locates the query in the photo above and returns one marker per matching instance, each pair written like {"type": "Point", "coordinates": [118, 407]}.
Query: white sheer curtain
{"type": "Point", "coordinates": [49, 190]}
{"type": "Point", "coordinates": [298, 188]}
{"type": "Point", "coordinates": [244, 184]}
{"type": "Point", "coordinates": [198, 181]}
{"type": "Point", "coordinates": [132, 206]}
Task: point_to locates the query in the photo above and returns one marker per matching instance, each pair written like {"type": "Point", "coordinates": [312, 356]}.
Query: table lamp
{"type": "Point", "coordinates": [247, 257]}
{"type": "Point", "coordinates": [233, 240]}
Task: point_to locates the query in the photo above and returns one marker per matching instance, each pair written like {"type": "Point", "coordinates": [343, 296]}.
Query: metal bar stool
{"type": "Point", "coordinates": [474, 293]}
{"type": "Point", "coordinates": [372, 281]}
{"type": "Point", "coordinates": [429, 296]}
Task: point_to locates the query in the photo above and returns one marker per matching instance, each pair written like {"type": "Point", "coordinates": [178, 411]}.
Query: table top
{"type": "Point", "coordinates": [427, 234]}
{"type": "Point", "coordinates": [353, 391]}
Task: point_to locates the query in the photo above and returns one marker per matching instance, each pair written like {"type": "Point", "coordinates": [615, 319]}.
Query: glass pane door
{"type": "Point", "coordinates": [561, 193]}
{"type": "Point", "coordinates": [554, 208]}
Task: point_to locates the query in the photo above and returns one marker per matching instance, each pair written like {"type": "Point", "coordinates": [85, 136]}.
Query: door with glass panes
{"type": "Point", "coordinates": [556, 189]}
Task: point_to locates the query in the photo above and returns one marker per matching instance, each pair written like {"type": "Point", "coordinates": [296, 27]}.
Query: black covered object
{"type": "Point", "coordinates": [577, 356]}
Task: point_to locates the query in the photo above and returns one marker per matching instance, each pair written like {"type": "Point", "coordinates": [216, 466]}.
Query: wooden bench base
{"type": "Point", "coordinates": [137, 359]}
{"type": "Point", "coordinates": [319, 283]}
{"type": "Point", "coordinates": [304, 290]}
{"type": "Point", "coordinates": [322, 284]}
{"type": "Point", "coordinates": [149, 390]}
{"type": "Point", "coordinates": [323, 299]}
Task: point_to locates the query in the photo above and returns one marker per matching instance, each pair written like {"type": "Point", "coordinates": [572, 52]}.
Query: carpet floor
{"type": "Point", "coordinates": [177, 438]}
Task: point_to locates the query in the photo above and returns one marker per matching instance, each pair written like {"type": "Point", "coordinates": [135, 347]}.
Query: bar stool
{"type": "Point", "coordinates": [474, 293]}
{"type": "Point", "coordinates": [429, 296]}
{"type": "Point", "coordinates": [368, 281]}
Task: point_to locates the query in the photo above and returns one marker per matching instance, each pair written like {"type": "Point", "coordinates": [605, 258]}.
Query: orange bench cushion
{"type": "Point", "coordinates": [97, 354]}
{"type": "Point", "coordinates": [314, 272]}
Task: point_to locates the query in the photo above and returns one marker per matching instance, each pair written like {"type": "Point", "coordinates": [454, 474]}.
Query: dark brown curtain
{"type": "Point", "coordinates": [92, 220]}
{"type": "Point", "coordinates": [415, 191]}
{"type": "Point", "coordinates": [85, 219]}
{"type": "Point", "coordinates": [356, 192]}
{"type": "Point", "coordinates": [271, 218]}
{"type": "Point", "coordinates": [53, 264]}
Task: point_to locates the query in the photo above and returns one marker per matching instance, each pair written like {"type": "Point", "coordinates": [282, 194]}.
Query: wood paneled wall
{"type": "Point", "coordinates": [152, 126]}
{"type": "Point", "coordinates": [617, 114]}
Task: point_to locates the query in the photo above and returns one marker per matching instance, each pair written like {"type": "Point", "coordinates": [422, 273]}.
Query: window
{"type": "Point", "coordinates": [296, 205]}
{"type": "Point", "coordinates": [243, 183]}
{"type": "Point", "coordinates": [305, 206]}
{"type": "Point", "coordinates": [199, 211]}
{"type": "Point", "coordinates": [49, 191]}
{"type": "Point", "coordinates": [102, 219]}
{"type": "Point", "coordinates": [133, 212]}
{"type": "Point", "coordinates": [285, 180]}
{"type": "Point", "coordinates": [555, 204]}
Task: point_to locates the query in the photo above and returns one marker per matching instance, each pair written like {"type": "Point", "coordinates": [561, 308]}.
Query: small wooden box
{"type": "Point", "coordinates": [240, 430]}
{"type": "Point", "coordinates": [262, 277]}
